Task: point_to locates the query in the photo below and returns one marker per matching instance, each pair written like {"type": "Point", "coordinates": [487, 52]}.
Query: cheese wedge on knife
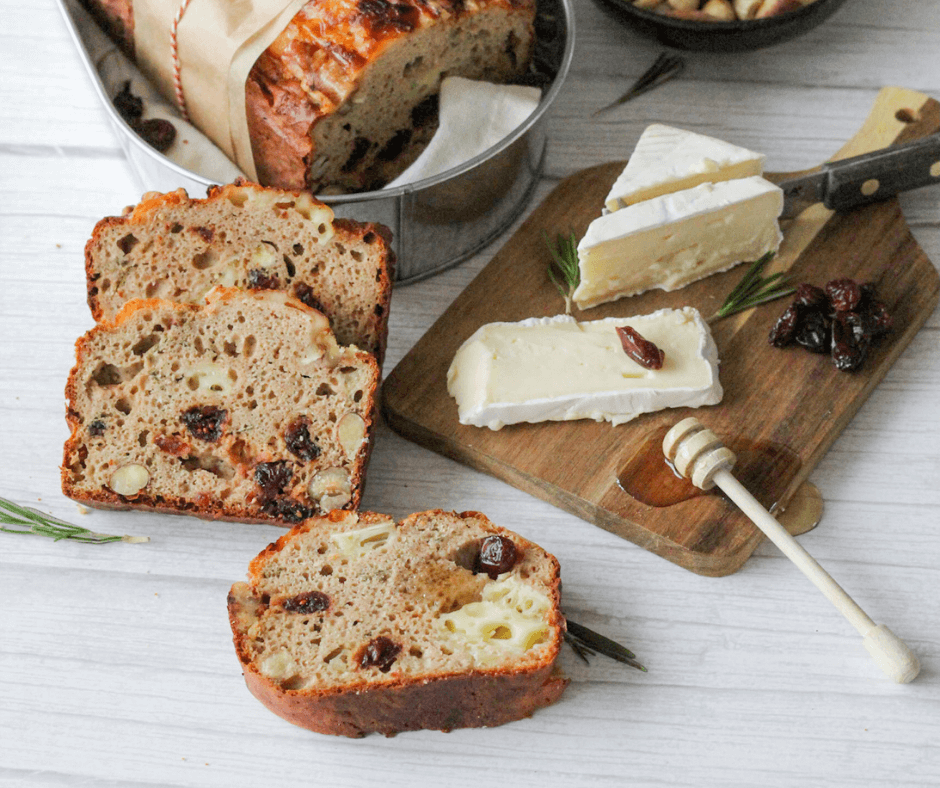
{"type": "Point", "coordinates": [557, 369]}
{"type": "Point", "coordinates": [668, 159]}
{"type": "Point", "coordinates": [669, 241]}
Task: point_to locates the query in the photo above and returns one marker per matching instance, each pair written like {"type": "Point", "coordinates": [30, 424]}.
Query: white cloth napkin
{"type": "Point", "coordinates": [474, 116]}
{"type": "Point", "coordinates": [191, 149]}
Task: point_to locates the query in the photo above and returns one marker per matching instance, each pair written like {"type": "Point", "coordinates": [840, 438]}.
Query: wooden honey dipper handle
{"type": "Point", "coordinates": [698, 455]}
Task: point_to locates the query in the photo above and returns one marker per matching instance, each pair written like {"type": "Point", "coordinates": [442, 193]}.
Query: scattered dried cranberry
{"type": "Point", "coordinates": [848, 347]}
{"type": "Point", "coordinates": [304, 293]}
{"type": "Point", "coordinates": [157, 133]}
{"type": "Point", "coordinates": [380, 653]}
{"type": "Point", "coordinates": [877, 317]}
{"type": "Point", "coordinates": [844, 294]}
{"type": "Point", "coordinates": [307, 602]}
{"type": "Point", "coordinates": [273, 477]}
{"type": "Point", "coordinates": [784, 329]}
{"type": "Point", "coordinates": [813, 332]}
{"type": "Point", "coordinates": [641, 350]}
{"type": "Point", "coordinates": [96, 428]}
{"type": "Point", "coordinates": [287, 509]}
{"type": "Point", "coordinates": [810, 295]}
{"type": "Point", "coordinates": [259, 279]}
{"type": "Point", "coordinates": [299, 442]}
{"type": "Point", "coordinates": [205, 422]}
{"type": "Point", "coordinates": [498, 554]}
{"type": "Point", "coordinates": [129, 106]}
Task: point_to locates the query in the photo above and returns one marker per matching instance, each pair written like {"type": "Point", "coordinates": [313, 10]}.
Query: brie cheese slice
{"type": "Point", "coordinates": [670, 241]}
{"type": "Point", "coordinates": [556, 369]}
{"type": "Point", "coordinates": [669, 160]}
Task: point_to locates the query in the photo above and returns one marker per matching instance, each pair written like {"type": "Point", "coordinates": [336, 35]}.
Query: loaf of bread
{"type": "Point", "coordinates": [243, 235]}
{"type": "Point", "coordinates": [353, 624]}
{"type": "Point", "coordinates": [346, 97]}
{"type": "Point", "coordinates": [242, 409]}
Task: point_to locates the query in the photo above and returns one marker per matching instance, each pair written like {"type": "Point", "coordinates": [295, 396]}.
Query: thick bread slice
{"type": "Point", "coordinates": [243, 235]}
{"type": "Point", "coordinates": [353, 624]}
{"type": "Point", "coordinates": [242, 409]}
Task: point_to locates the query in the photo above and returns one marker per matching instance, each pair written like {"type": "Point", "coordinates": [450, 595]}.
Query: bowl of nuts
{"type": "Point", "coordinates": [722, 25]}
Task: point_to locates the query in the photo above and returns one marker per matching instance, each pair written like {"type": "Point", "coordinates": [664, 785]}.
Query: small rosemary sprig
{"type": "Point", "coordinates": [586, 642]}
{"type": "Point", "coordinates": [755, 289]}
{"type": "Point", "coordinates": [664, 68]}
{"type": "Point", "coordinates": [32, 521]}
{"type": "Point", "coordinates": [563, 269]}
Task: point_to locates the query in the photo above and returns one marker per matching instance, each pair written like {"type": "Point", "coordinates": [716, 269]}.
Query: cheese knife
{"type": "Point", "coordinates": [860, 180]}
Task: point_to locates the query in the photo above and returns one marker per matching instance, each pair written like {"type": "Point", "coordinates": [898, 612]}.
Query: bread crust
{"type": "Point", "coordinates": [202, 506]}
{"type": "Point", "coordinates": [371, 333]}
{"type": "Point", "coordinates": [435, 700]}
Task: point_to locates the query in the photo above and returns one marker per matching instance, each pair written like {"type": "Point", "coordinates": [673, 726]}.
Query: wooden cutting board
{"type": "Point", "coordinates": [781, 408]}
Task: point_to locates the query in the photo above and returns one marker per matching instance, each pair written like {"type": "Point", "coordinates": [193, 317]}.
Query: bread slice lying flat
{"type": "Point", "coordinates": [242, 235]}
{"type": "Point", "coordinates": [354, 623]}
{"type": "Point", "coordinates": [243, 409]}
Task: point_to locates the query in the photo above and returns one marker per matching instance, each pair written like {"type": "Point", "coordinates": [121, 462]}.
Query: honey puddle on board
{"type": "Point", "coordinates": [765, 469]}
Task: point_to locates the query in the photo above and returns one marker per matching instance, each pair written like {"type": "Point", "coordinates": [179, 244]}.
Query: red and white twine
{"type": "Point", "coordinates": [174, 50]}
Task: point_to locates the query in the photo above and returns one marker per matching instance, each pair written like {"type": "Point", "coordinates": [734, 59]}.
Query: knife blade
{"type": "Point", "coordinates": [860, 180]}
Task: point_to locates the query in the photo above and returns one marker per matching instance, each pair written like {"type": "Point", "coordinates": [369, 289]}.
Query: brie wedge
{"type": "Point", "coordinates": [670, 241]}
{"type": "Point", "coordinates": [668, 160]}
{"type": "Point", "coordinates": [556, 369]}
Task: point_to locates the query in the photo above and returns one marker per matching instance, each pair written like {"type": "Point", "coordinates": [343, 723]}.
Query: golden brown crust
{"type": "Point", "coordinates": [435, 699]}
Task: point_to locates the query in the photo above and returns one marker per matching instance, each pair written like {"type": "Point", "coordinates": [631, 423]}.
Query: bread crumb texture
{"type": "Point", "coordinates": [245, 408]}
{"type": "Point", "coordinates": [354, 623]}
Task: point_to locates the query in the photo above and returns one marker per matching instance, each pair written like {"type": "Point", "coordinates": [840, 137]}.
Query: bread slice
{"type": "Point", "coordinates": [243, 235]}
{"type": "Point", "coordinates": [242, 409]}
{"type": "Point", "coordinates": [353, 624]}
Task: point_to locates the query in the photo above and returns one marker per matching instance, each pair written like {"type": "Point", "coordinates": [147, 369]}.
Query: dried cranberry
{"type": "Point", "coordinates": [784, 329]}
{"type": "Point", "coordinates": [96, 428]}
{"type": "Point", "coordinates": [641, 350]}
{"type": "Point", "coordinates": [304, 293]}
{"type": "Point", "coordinates": [205, 422]}
{"type": "Point", "coordinates": [848, 348]}
{"type": "Point", "coordinates": [129, 106]}
{"type": "Point", "coordinates": [307, 602]}
{"type": "Point", "coordinates": [813, 332]}
{"type": "Point", "coordinates": [380, 653]}
{"type": "Point", "coordinates": [273, 477]}
{"type": "Point", "coordinates": [259, 279]}
{"type": "Point", "coordinates": [157, 133]}
{"type": "Point", "coordinates": [844, 294]}
{"type": "Point", "coordinates": [810, 295]}
{"type": "Point", "coordinates": [877, 317]}
{"type": "Point", "coordinates": [498, 554]}
{"type": "Point", "coordinates": [299, 442]}
{"type": "Point", "coordinates": [287, 509]}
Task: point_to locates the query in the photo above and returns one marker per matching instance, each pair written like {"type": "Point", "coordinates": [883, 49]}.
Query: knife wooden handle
{"type": "Point", "coordinates": [873, 177]}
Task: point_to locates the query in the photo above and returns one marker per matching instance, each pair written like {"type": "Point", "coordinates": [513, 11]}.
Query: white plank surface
{"type": "Point", "coordinates": [116, 664]}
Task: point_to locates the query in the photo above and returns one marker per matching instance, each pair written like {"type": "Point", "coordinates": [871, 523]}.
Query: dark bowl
{"type": "Point", "coordinates": [722, 36]}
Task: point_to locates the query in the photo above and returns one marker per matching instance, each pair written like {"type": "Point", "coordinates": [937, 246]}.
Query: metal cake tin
{"type": "Point", "coordinates": [437, 222]}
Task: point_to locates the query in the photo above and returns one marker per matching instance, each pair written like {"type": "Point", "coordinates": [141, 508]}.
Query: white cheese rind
{"type": "Point", "coordinates": [668, 159]}
{"type": "Point", "coordinates": [556, 369]}
{"type": "Point", "coordinates": [670, 241]}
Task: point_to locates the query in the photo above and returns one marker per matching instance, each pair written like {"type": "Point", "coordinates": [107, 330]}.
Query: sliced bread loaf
{"type": "Point", "coordinates": [243, 235]}
{"type": "Point", "coordinates": [242, 409]}
{"type": "Point", "coordinates": [353, 624]}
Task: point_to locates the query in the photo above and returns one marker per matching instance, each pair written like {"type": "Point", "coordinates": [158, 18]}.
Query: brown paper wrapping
{"type": "Point", "coordinates": [218, 41]}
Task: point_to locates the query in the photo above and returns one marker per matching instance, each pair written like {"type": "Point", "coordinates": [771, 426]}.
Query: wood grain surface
{"type": "Point", "coordinates": [789, 402]}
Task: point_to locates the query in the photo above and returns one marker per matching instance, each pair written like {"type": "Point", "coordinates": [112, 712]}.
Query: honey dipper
{"type": "Point", "coordinates": [698, 455]}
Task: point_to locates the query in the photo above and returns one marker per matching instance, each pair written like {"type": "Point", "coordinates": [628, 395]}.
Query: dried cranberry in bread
{"type": "Point", "coordinates": [243, 235]}
{"type": "Point", "coordinates": [353, 624]}
{"type": "Point", "coordinates": [242, 409]}
{"type": "Point", "coordinates": [346, 97]}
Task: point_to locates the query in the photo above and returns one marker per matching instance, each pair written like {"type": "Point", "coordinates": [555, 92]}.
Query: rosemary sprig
{"type": "Point", "coordinates": [31, 521]}
{"type": "Point", "coordinates": [664, 68]}
{"type": "Point", "coordinates": [563, 270]}
{"type": "Point", "coordinates": [586, 642]}
{"type": "Point", "coordinates": [755, 289]}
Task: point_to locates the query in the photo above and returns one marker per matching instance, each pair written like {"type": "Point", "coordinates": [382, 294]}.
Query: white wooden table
{"type": "Point", "coordinates": [116, 663]}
